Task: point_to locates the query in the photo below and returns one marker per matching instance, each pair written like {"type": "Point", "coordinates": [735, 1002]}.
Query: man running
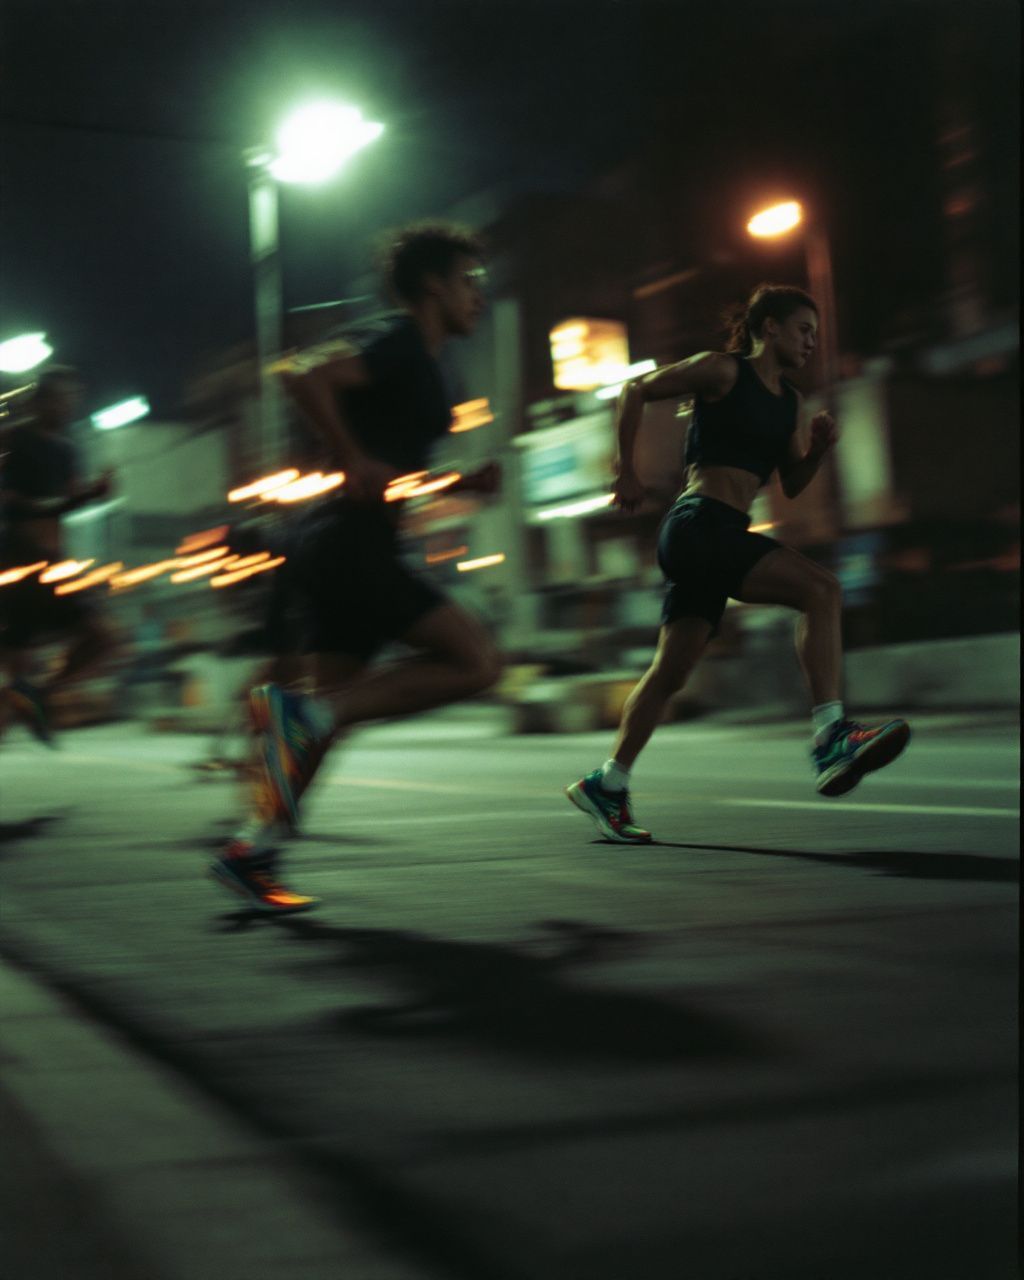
{"type": "Point", "coordinates": [39, 483]}
{"type": "Point", "coordinates": [378, 406]}
{"type": "Point", "coordinates": [744, 428]}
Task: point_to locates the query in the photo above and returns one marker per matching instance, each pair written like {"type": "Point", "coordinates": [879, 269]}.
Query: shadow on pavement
{"type": "Point", "coordinates": [11, 831]}
{"type": "Point", "coordinates": [912, 865]}
{"type": "Point", "coordinates": [521, 998]}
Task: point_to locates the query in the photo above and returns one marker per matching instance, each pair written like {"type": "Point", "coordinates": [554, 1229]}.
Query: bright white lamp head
{"type": "Point", "coordinates": [316, 140]}
{"type": "Point", "coordinates": [24, 352]}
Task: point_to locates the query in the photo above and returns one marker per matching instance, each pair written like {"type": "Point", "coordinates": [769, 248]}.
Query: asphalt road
{"type": "Point", "coordinates": [779, 1044]}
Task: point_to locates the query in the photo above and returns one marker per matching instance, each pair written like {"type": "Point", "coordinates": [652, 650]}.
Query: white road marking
{"type": "Point", "coordinates": [938, 810]}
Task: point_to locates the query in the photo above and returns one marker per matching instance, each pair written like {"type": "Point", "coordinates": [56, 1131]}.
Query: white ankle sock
{"type": "Point", "coordinates": [614, 777]}
{"type": "Point", "coordinates": [824, 717]}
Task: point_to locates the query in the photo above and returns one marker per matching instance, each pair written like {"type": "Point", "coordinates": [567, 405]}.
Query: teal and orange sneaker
{"type": "Point", "coordinates": [853, 750]}
{"type": "Point", "coordinates": [294, 737]}
{"type": "Point", "coordinates": [253, 879]}
{"type": "Point", "coordinates": [609, 809]}
{"type": "Point", "coordinates": [30, 706]}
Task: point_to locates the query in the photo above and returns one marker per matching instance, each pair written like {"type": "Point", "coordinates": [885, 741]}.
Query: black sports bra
{"type": "Point", "coordinates": [750, 428]}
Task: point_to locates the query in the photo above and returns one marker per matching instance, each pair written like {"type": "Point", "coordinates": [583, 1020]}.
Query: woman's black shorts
{"type": "Point", "coordinates": [705, 550]}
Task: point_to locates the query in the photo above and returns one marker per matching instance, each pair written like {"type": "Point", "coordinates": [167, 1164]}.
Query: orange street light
{"type": "Point", "coordinates": [777, 220]}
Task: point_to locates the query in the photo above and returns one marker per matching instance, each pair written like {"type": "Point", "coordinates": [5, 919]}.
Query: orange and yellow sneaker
{"type": "Point", "coordinates": [253, 878]}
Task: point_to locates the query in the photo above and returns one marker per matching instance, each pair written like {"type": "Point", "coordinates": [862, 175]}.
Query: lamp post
{"type": "Point", "coordinates": [779, 220]}
{"type": "Point", "coordinates": [312, 146]}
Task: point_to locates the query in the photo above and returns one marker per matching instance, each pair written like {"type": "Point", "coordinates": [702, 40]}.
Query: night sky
{"type": "Point", "coordinates": [123, 222]}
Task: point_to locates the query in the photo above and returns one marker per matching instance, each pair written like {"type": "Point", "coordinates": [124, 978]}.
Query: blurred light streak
{"type": "Point", "coordinates": [259, 488]}
{"type": "Point", "coordinates": [65, 569]}
{"type": "Point", "coordinates": [307, 486]}
{"type": "Point", "coordinates": [93, 579]}
{"type": "Point", "coordinates": [471, 414]}
{"type": "Point", "coordinates": [401, 485]}
{"type": "Point", "coordinates": [393, 493]}
{"type": "Point", "coordinates": [214, 566]}
{"type": "Point", "coordinates": [197, 541]}
{"type": "Point", "coordinates": [484, 562]}
{"type": "Point", "coordinates": [762, 528]}
{"type": "Point", "coordinates": [203, 557]}
{"type": "Point", "coordinates": [580, 508]}
{"type": "Point", "coordinates": [21, 571]}
{"type": "Point", "coordinates": [143, 573]}
{"type": "Point", "coordinates": [439, 557]}
{"type": "Point", "coordinates": [226, 579]}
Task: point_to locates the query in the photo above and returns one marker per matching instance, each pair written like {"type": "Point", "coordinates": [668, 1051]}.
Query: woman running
{"type": "Point", "coordinates": [745, 427]}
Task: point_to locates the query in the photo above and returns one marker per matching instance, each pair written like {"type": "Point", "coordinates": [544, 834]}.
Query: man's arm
{"type": "Point", "coordinates": [807, 450]}
{"type": "Point", "coordinates": [313, 382]}
{"type": "Point", "coordinates": [709, 373]}
{"type": "Point", "coordinates": [76, 495]}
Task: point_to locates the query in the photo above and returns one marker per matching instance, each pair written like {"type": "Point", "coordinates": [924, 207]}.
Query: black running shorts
{"type": "Point", "coordinates": [355, 593]}
{"type": "Point", "coordinates": [705, 550]}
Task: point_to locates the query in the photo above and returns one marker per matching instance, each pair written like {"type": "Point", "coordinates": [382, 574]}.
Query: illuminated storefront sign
{"type": "Point", "coordinates": [587, 353]}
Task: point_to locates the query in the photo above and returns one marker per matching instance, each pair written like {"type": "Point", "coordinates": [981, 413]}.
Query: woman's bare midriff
{"type": "Point", "coordinates": [731, 485]}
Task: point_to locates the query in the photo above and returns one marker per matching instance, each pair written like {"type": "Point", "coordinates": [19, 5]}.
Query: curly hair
{"type": "Point", "coordinates": [776, 300]}
{"type": "Point", "coordinates": [408, 254]}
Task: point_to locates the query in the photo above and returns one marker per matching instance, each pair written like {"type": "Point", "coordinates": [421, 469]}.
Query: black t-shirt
{"type": "Point", "coordinates": [36, 464]}
{"type": "Point", "coordinates": [407, 406]}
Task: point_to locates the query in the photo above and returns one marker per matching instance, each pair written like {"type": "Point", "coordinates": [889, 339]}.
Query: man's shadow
{"type": "Point", "coordinates": [978, 867]}
{"type": "Point", "coordinates": [521, 999]}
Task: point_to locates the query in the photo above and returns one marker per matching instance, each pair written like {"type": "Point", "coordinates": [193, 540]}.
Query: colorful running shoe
{"type": "Point", "coordinates": [854, 750]}
{"type": "Point", "coordinates": [293, 743]}
{"type": "Point", "coordinates": [30, 706]}
{"type": "Point", "coordinates": [253, 878]}
{"type": "Point", "coordinates": [609, 809]}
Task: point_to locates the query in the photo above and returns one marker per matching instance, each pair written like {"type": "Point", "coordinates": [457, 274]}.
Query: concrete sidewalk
{"type": "Point", "coordinates": [115, 1169]}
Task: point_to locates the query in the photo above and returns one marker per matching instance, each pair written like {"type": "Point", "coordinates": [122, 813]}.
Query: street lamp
{"type": "Point", "coordinates": [312, 146]}
{"type": "Point", "coordinates": [779, 220]}
{"type": "Point", "coordinates": [18, 355]}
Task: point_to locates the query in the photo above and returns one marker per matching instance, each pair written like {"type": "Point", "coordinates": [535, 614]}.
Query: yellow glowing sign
{"type": "Point", "coordinates": [588, 353]}
{"type": "Point", "coordinates": [471, 414]}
